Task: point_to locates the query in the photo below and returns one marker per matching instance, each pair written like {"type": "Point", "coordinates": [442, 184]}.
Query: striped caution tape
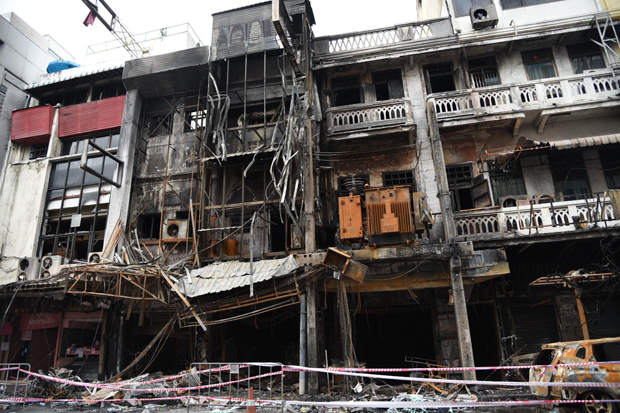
{"type": "Point", "coordinates": [459, 369]}
{"type": "Point", "coordinates": [350, 404]}
{"type": "Point", "coordinates": [454, 381]}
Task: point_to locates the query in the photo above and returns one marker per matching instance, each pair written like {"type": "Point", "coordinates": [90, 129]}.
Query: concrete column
{"type": "Point", "coordinates": [458, 292]}
{"type": "Point", "coordinates": [120, 198]}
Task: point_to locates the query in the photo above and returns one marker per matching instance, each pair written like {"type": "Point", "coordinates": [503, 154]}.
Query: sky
{"type": "Point", "coordinates": [63, 19]}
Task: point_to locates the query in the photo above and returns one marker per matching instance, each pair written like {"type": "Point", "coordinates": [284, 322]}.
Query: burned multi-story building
{"type": "Point", "coordinates": [441, 192]}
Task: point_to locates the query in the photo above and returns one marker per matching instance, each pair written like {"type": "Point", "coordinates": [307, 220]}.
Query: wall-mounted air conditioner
{"type": "Point", "coordinates": [26, 268]}
{"type": "Point", "coordinates": [94, 257]}
{"type": "Point", "coordinates": [175, 228]}
{"type": "Point", "coordinates": [483, 16]}
{"type": "Point", "coordinates": [50, 266]}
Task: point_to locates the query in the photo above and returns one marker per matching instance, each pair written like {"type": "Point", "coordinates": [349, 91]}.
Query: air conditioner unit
{"type": "Point", "coordinates": [26, 268]}
{"type": "Point", "coordinates": [175, 228]}
{"type": "Point", "coordinates": [483, 16]}
{"type": "Point", "coordinates": [50, 266]}
{"type": "Point", "coordinates": [95, 257]}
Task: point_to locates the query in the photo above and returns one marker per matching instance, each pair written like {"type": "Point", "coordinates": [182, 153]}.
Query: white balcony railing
{"type": "Point", "coordinates": [380, 38]}
{"type": "Point", "coordinates": [368, 116]}
{"type": "Point", "coordinates": [545, 218]}
{"type": "Point", "coordinates": [540, 94]}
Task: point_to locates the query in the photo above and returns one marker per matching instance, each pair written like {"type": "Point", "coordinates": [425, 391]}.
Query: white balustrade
{"type": "Point", "coordinates": [368, 116]}
{"type": "Point", "coordinates": [389, 36]}
{"type": "Point", "coordinates": [538, 94]}
{"type": "Point", "coordinates": [546, 218]}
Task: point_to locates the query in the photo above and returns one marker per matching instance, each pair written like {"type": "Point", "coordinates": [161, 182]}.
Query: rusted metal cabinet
{"type": "Point", "coordinates": [351, 226]}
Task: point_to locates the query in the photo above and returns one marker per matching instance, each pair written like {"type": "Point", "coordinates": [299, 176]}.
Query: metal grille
{"type": "Point", "coordinates": [458, 173]}
{"type": "Point", "coordinates": [398, 178]}
{"type": "Point", "coordinates": [38, 151]}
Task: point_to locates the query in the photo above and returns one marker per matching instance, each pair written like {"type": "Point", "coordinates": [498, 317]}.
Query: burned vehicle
{"type": "Point", "coordinates": [584, 351]}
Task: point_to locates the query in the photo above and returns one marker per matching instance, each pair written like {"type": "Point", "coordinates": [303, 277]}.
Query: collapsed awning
{"type": "Point", "coordinates": [505, 154]}
{"type": "Point", "coordinates": [225, 276]}
{"type": "Point", "coordinates": [583, 142]}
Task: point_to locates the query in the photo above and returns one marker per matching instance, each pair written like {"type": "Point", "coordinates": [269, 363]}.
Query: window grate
{"type": "Point", "coordinates": [398, 178]}
{"type": "Point", "coordinates": [459, 173]}
{"type": "Point", "coordinates": [38, 151]}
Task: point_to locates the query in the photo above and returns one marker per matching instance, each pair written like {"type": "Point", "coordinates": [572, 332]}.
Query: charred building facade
{"type": "Point", "coordinates": [440, 192]}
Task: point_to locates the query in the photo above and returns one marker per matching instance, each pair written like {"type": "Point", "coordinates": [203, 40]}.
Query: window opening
{"type": "Point", "coordinates": [506, 180]}
{"type": "Point", "coordinates": [150, 225]}
{"type": "Point", "coordinates": [539, 64]}
{"type": "Point", "coordinates": [585, 56]}
{"type": "Point", "coordinates": [483, 71]}
{"type": "Point", "coordinates": [159, 125]}
{"type": "Point", "coordinates": [38, 150]}
{"type": "Point", "coordinates": [439, 78]}
{"type": "Point", "coordinates": [513, 4]}
{"type": "Point", "coordinates": [398, 178]}
{"type": "Point", "coordinates": [610, 162]}
{"type": "Point", "coordinates": [346, 91]}
{"type": "Point", "coordinates": [569, 175]}
{"type": "Point", "coordinates": [108, 91]}
{"type": "Point", "coordinates": [388, 84]}
{"type": "Point", "coordinates": [467, 191]}
{"type": "Point", "coordinates": [77, 202]}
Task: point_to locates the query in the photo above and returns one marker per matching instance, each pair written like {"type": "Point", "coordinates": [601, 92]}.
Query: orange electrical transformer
{"type": "Point", "coordinates": [351, 226]}
{"type": "Point", "coordinates": [388, 210]}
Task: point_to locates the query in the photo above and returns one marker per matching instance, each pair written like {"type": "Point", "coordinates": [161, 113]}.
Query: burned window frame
{"type": "Point", "coordinates": [389, 77]}
{"type": "Point", "coordinates": [483, 69]}
{"type": "Point", "coordinates": [346, 83]}
{"type": "Point", "coordinates": [108, 90]}
{"type": "Point", "coordinates": [73, 179]}
{"type": "Point", "coordinates": [158, 124]}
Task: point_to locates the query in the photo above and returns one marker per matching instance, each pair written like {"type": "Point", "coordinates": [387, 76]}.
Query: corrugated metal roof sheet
{"type": "Point", "coordinates": [76, 72]}
{"type": "Point", "coordinates": [585, 142]}
{"type": "Point", "coordinates": [225, 276]}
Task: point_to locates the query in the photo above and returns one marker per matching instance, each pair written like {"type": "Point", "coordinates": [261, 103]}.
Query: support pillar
{"type": "Point", "coordinates": [458, 292]}
{"type": "Point", "coordinates": [120, 198]}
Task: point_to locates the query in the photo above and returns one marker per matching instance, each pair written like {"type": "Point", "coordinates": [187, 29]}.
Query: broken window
{"type": "Point", "coordinates": [439, 78]}
{"type": "Point", "coordinates": [483, 71]}
{"type": "Point", "coordinates": [467, 191]}
{"type": "Point", "coordinates": [462, 7]}
{"type": "Point", "coordinates": [398, 178]}
{"type": "Point", "coordinates": [38, 150]}
{"type": "Point", "coordinates": [149, 225]}
{"type": "Point", "coordinates": [513, 4]}
{"type": "Point", "coordinates": [539, 64]}
{"type": "Point", "coordinates": [585, 56]}
{"type": "Point", "coordinates": [346, 91]}
{"type": "Point", "coordinates": [569, 175]}
{"type": "Point", "coordinates": [159, 124]}
{"type": "Point", "coordinates": [77, 202]}
{"type": "Point", "coordinates": [610, 162]}
{"type": "Point", "coordinates": [388, 84]}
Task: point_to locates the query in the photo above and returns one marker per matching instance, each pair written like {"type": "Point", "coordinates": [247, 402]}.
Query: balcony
{"type": "Point", "coordinates": [547, 96]}
{"type": "Point", "coordinates": [381, 40]}
{"type": "Point", "coordinates": [98, 116]}
{"type": "Point", "coordinates": [537, 219]}
{"type": "Point", "coordinates": [33, 125]}
{"type": "Point", "coordinates": [368, 117]}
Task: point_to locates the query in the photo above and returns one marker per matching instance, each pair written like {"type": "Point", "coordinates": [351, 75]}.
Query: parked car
{"type": "Point", "coordinates": [605, 349]}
